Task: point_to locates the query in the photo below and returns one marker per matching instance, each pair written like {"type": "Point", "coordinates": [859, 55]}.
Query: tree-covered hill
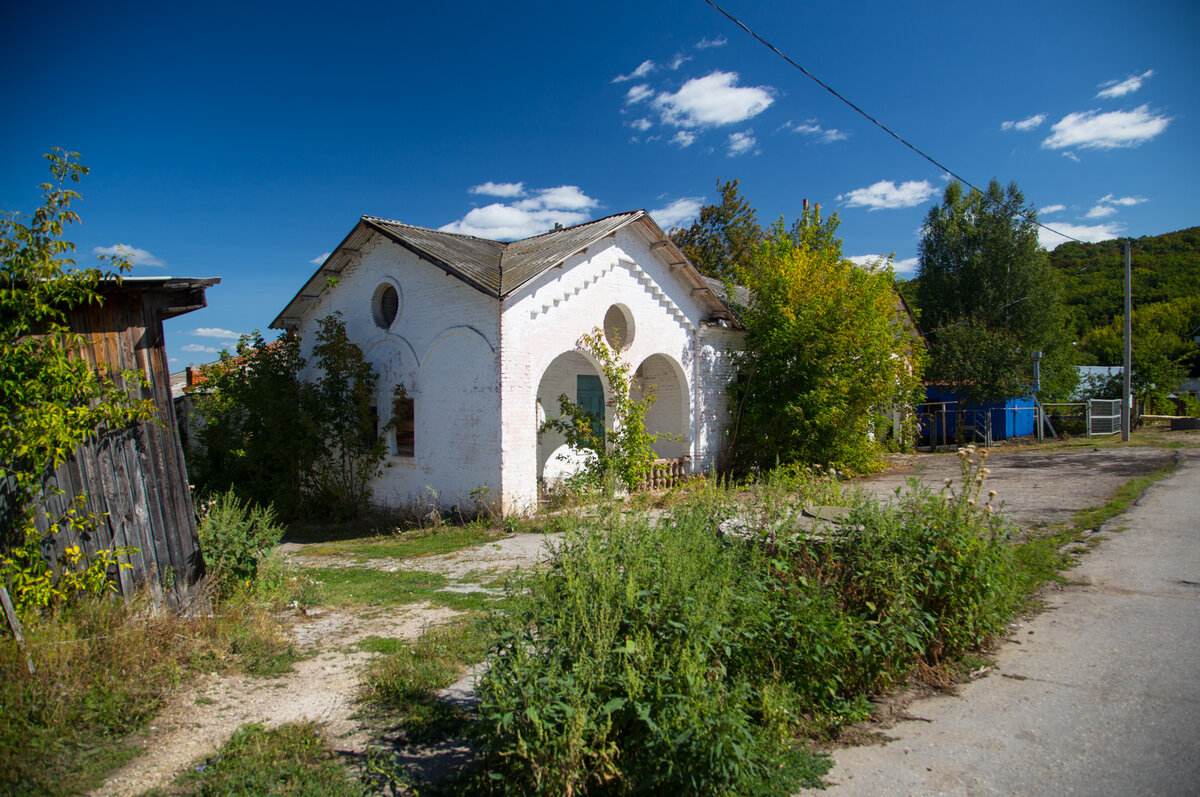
{"type": "Point", "coordinates": [1166, 268]}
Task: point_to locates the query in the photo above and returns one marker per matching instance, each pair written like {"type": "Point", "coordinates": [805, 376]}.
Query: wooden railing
{"type": "Point", "coordinates": [666, 473]}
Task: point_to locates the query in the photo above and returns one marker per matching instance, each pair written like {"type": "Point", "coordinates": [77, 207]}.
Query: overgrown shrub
{"type": "Point", "coordinates": [612, 671]}
{"type": "Point", "coordinates": [308, 448]}
{"type": "Point", "coordinates": [670, 657]}
{"type": "Point", "coordinates": [234, 536]}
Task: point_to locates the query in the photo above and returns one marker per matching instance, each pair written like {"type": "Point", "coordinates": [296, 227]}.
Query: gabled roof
{"type": "Point", "coordinates": [495, 268]}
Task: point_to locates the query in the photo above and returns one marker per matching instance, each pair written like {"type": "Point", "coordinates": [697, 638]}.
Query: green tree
{"type": "Point", "coordinates": [51, 400]}
{"type": "Point", "coordinates": [981, 267]}
{"type": "Point", "coordinates": [723, 237]}
{"type": "Point", "coordinates": [302, 447]}
{"type": "Point", "coordinates": [826, 347]}
{"type": "Point", "coordinates": [255, 436]}
{"type": "Point", "coordinates": [341, 405]}
{"type": "Point", "coordinates": [1163, 353]}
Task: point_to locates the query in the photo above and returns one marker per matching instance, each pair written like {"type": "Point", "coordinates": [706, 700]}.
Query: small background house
{"type": "Point", "coordinates": [483, 337]}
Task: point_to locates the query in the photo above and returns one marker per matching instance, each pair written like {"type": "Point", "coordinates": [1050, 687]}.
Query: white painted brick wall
{"type": "Point", "coordinates": [443, 346]}
{"type": "Point", "coordinates": [475, 369]}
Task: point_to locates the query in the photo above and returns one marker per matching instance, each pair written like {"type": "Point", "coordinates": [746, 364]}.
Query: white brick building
{"type": "Point", "coordinates": [483, 335]}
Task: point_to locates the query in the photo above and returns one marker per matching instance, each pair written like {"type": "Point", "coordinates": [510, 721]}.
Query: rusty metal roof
{"type": "Point", "coordinates": [497, 268]}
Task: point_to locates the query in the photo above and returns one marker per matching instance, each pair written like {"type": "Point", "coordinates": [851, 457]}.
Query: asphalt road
{"type": "Point", "coordinates": [1100, 695]}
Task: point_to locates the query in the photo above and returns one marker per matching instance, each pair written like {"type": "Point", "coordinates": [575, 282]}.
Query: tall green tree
{"type": "Point", "coordinates": [724, 236]}
{"type": "Point", "coordinates": [51, 400]}
{"type": "Point", "coordinates": [305, 447]}
{"type": "Point", "coordinates": [256, 436]}
{"type": "Point", "coordinates": [826, 347]}
{"type": "Point", "coordinates": [981, 268]}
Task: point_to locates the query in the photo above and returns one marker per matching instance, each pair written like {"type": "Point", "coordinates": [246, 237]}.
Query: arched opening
{"type": "Point", "coordinates": [669, 414]}
{"type": "Point", "coordinates": [573, 375]}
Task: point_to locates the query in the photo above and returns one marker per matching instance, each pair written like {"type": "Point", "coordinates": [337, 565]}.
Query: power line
{"type": "Point", "coordinates": [877, 123]}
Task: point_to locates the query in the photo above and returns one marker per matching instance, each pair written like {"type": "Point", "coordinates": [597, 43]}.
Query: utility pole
{"type": "Point", "coordinates": [1127, 382]}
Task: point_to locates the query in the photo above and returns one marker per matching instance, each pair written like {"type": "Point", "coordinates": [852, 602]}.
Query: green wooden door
{"type": "Point", "coordinates": [589, 394]}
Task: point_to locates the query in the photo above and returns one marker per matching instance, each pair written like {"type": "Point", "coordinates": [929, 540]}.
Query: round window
{"type": "Point", "coordinates": [386, 305]}
{"type": "Point", "coordinates": [618, 327]}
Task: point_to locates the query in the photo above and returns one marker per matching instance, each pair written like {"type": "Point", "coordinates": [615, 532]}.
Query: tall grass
{"type": "Point", "coordinates": [103, 667]}
{"type": "Point", "coordinates": [673, 658]}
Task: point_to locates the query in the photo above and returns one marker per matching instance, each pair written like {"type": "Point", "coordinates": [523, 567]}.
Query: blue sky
{"type": "Point", "coordinates": [244, 140]}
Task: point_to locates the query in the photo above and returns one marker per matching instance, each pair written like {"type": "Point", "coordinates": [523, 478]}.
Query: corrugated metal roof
{"type": "Point", "coordinates": [475, 260]}
{"type": "Point", "coordinates": [526, 259]}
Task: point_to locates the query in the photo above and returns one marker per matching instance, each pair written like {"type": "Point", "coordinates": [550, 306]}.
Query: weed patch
{"type": "Point", "coordinates": [672, 658]}
{"type": "Point", "coordinates": [292, 759]}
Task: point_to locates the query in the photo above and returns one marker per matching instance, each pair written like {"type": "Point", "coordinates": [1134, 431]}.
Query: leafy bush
{"type": "Point", "coordinates": [672, 658]}
{"type": "Point", "coordinates": [612, 670]}
{"type": "Point", "coordinates": [234, 536]}
{"type": "Point", "coordinates": [308, 448]}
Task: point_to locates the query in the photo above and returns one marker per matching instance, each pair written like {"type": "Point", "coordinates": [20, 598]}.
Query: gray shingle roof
{"type": "Point", "coordinates": [496, 268]}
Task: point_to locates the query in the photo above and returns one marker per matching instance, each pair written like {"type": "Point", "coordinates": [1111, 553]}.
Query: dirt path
{"type": "Point", "coordinates": [322, 687]}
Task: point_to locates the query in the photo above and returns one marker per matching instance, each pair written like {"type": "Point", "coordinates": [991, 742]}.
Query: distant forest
{"type": "Point", "coordinates": [1166, 302]}
{"type": "Point", "coordinates": [1166, 268]}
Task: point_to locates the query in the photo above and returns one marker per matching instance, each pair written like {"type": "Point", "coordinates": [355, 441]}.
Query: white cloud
{"type": "Point", "coordinates": [809, 127]}
{"type": "Point", "coordinates": [679, 60]}
{"type": "Point", "coordinates": [1126, 201]}
{"type": "Point", "coordinates": [886, 195]}
{"type": "Point", "coordinates": [1098, 232]}
{"type": "Point", "coordinates": [215, 332]}
{"type": "Point", "coordinates": [563, 197]}
{"type": "Point", "coordinates": [707, 43]}
{"type": "Point", "coordinates": [537, 213]}
{"type": "Point", "coordinates": [1095, 130]}
{"type": "Point", "coordinates": [1053, 209]}
{"type": "Point", "coordinates": [638, 93]}
{"type": "Point", "coordinates": [1107, 205]}
{"type": "Point", "coordinates": [676, 213]}
{"type": "Point", "coordinates": [1114, 88]}
{"type": "Point", "coordinates": [684, 138]}
{"type": "Point", "coordinates": [138, 257]}
{"type": "Point", "coordinates": [1100, 212]}
{"type": "Point", "coordinates": [498, 189]}
{"type": "Point", "coordinates": [641, 124]}
{"type": "Point", "coordinates": [321, 258]}
{"type": "Point", "coordinates": [904, 269]}
{"type": "Point", "coordinates": [644, 68]}
{"type": "Point", "coordinates": [712, 100]}
{"type": "Point", "coordinates": [1069, 155]}
{"type": "Point", "coordinates": [742, 143]}
{"type": "Point", "coordinates": [1025, 125]}
{"type": "Point", "coordinates": [196, 348]}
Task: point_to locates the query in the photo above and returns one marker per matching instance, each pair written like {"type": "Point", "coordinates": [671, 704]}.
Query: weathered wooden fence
{"type": "Point", "coordinates": [134, 479]}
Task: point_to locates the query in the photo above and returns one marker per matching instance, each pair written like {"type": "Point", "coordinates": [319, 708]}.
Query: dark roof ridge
{"type": "Point", "coordinates": [580, 224]}
{"type": "Point", "coordinates": [433, 229]}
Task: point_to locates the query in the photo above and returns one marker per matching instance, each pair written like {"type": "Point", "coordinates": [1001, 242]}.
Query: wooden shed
{"type": "Point", "coordinates": [135, 478]}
